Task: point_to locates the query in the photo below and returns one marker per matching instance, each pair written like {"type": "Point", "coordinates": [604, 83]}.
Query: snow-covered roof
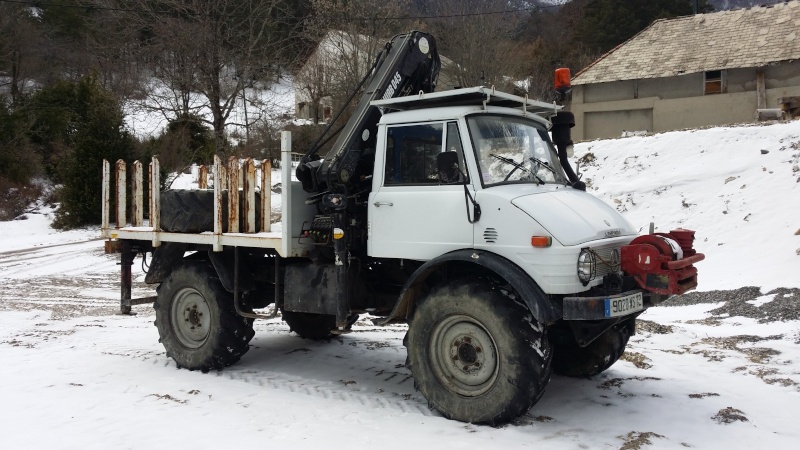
{"type": "Point", "coordinates": [751, 37]}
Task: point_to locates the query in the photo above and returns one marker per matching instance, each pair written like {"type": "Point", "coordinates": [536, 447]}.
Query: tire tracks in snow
{"type": "Point", "coordinates": [60, 279]}
{"type": "Point", "coordinates": [23, 251]}
{"type": "Point", "coordinates": [340, 390]}
{"type": "Point", "coordinates": [408, 403]}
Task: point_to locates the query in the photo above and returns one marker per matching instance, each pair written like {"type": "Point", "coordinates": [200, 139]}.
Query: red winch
{"type": "Point", "coordinates": [662, 262]}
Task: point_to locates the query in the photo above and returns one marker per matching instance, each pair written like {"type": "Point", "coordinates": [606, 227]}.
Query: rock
{"type": "Point", "coordinates": [729, 179]}
{"type": "Point", "coordinates": [764, 152]}
{"type": "Point", "coordinates": [729, 415]}
{"type": "Point", "coordinates": [797, 233]}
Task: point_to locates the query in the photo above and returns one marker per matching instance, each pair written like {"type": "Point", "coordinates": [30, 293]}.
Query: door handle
{"type": "Point", "coordinates": [378, 204]}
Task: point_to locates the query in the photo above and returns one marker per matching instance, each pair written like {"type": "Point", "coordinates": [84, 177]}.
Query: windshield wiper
{"type": "Point", "coordinates": [517, 166]}
{"type": "Point", "coordinates": [544, 164]}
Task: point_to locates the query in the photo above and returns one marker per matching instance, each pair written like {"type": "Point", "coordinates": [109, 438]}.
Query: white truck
{"type": "Point", "coordinates": [452, 211]}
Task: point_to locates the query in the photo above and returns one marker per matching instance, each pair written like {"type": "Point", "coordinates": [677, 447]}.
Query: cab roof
{"type": "Point", "coordinates": [474, 96]}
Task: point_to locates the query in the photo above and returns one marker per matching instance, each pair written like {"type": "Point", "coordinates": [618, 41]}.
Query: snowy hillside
{"type": "Point", "coordinates": [738, 187]}
{"type": "Point", "coordinates": [714, 369]}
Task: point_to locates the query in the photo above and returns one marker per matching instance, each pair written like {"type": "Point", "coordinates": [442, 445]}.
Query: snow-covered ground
{"type": "Point", "coordinates": [718, 371]}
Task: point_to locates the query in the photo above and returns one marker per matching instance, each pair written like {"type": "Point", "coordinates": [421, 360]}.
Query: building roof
{"type": "Point", "coordinates": [751, 37]}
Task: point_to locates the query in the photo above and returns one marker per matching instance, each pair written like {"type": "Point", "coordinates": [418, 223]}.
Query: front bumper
{"type": "Point", "coordinates": [606, 306]}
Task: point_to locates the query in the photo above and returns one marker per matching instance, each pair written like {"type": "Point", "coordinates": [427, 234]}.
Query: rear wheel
{"type": "Point", "coordinates": [572, 360]}
{"type": "Point", "coordinates": [197, 322]}
{"type": "Point", "coordinates": [476, 354]}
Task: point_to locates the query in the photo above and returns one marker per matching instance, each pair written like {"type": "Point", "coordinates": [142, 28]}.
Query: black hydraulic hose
{"type": "Point", "coordinates": [333, 135]}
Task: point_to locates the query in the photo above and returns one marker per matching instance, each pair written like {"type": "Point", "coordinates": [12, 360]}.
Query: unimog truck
{"type": "Point", "coordinates": [456, 212]}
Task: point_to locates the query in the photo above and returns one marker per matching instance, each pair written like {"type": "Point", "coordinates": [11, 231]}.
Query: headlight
{"type": "Point", "coordinates": [586, 266]}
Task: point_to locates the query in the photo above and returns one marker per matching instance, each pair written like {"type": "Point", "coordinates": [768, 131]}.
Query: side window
{"type": "Point", "coordinates": [411, 152]}
{"type": "Point", "coordinates": [457, 173]}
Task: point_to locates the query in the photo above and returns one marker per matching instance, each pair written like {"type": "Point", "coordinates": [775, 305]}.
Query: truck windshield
{"type": "Point", "coordinates": [514, 150]}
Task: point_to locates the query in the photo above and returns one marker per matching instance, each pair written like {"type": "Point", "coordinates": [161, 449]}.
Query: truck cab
{"type": "Point", "coordinates": [436, 167]}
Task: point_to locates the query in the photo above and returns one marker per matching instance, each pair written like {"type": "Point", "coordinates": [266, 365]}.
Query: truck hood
{"type": "Point", "coordinates": [574, 217]}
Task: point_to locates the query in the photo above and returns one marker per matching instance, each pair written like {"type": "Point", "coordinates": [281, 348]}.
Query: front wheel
{"type": "Point", "coordinates": [196, 320]}
{"type": "Point", "coordinates": [476, 354]}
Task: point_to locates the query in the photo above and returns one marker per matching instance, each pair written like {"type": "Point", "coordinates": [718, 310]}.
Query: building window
{"type": "Point", "coordinates": [715, 82]}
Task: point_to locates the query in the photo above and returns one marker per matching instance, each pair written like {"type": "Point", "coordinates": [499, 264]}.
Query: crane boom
{"type": "Point", "coordinates": [408, 64]}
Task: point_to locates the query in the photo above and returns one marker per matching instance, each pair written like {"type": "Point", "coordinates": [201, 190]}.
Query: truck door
{"type": "Point", "coordinates": [415, 211]}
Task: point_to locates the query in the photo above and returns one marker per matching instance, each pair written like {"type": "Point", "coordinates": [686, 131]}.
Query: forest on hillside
{"type": "Point", "coordinates": [67, 68]}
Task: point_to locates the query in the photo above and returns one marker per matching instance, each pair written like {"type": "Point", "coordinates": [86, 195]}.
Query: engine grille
{"type": "Point", "coordinates": [605, 258]}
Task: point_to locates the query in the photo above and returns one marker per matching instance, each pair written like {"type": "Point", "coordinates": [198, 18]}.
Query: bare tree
{"type": "Point", "coordinates": [207, 53]}
{"type": "Point", "coordinates": [314, 84]}
{"type": "Point", "coordinates": [350, 35]}
{"type": "Point", "coordinates": [20, 40]}
{"type": "Point", "coordinates": [478, 40]}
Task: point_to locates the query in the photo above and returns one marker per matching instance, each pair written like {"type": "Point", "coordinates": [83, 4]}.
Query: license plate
{"type": "Point", "coordinates": [621, 306]}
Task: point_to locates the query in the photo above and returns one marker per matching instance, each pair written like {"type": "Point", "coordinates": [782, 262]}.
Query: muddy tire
{"type": "Point", "coordinates": [571, 360]}
{"type": "Point", "coordinates": [476, 354]}
{"type": "Point", "coordinates": [310, 326]}
{"type": "Point", "coordinates": [192, 210]}
{"type": "Point", "coordinates": [196, 320]}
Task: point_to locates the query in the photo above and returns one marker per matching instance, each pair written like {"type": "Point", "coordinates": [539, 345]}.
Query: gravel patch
{"type": "Point", "coordinates": [729, 415]}
{"type": "Point", "coordinates": [703, 395]}
{"type": "Point", "coordinates": [784, 307]}
{"type": "Point", "coordinates": [635, 440]}
{"type": "Point", "coordinates": [695, 298]}
{"type": "Point", "coordinates": [637, 359]}
{"type": "Point", "coordinates": [648, 326]}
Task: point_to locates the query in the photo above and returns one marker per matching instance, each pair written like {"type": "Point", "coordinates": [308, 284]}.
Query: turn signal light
{"type": "Point", "coordinates": [541, 241]}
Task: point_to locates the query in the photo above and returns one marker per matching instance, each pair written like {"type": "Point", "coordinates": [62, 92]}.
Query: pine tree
{"type": "Point", "coordinates": [18, 163]}
{"type": "Point", "coordinates": [80, 124]}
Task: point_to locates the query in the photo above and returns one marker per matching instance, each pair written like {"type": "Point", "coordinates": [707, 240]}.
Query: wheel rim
{"type": "Point", "coordinates": [464, 356]}
{"type": "Point", "coordinates": [191, 317]}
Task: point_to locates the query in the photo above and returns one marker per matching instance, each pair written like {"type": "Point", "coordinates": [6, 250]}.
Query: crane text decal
{"type": "Point", "coordinates": [390, 90]}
